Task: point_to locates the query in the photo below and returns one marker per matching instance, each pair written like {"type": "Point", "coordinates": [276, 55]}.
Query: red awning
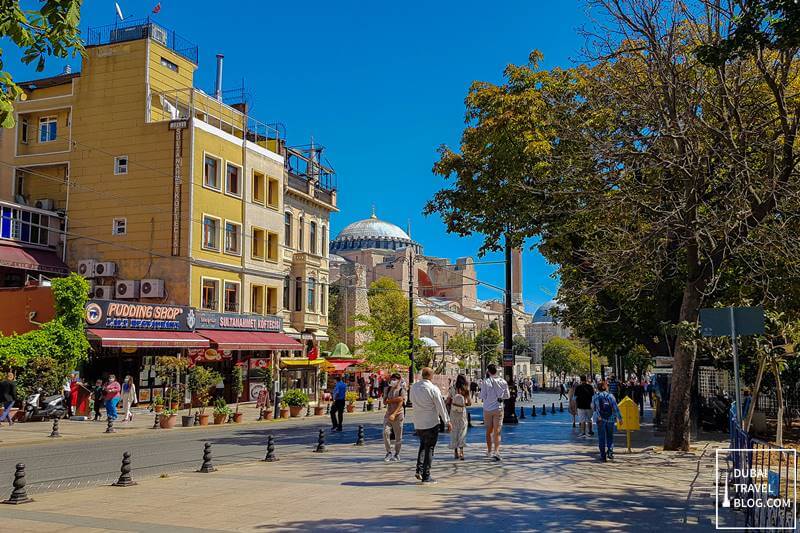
{"type": "Point", "coordinates": [31, 259]}
{"type": "Point", "coordinates": [249, 340]}
{"type": "Point", "coordinates": [340, 365]}
{"type": "Point", "coordinates": [147, 339]}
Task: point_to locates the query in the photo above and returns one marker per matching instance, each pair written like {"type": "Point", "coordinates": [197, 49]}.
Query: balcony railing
{"type": "Point", "coordinates": [135, 29]}
{"type": "Point", "coordinates": [29, 226]}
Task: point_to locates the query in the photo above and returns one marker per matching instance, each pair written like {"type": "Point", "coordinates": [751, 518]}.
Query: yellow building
{"type": "Point", "coordinates": [168, 194]}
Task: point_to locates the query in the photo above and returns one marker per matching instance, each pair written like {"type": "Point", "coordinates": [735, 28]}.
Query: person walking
{"type": "Point", "coordinates": [428, 409]}
{"type": "Point", "coordinates": [562, 391]}
{"type": "Point", "coordinates": [394, 397]}
{"type": "Point", "coordinates": [112, 390]}
{"type": "Point", "coordinates": [583, 403]}
{"type": "Point", "coordinates": [613, 386]}
{"type": "Point", "coordinates": [606, 414]}
{"type": "Point", "coordinates": [473, 389]}
{"type": "Point", "coordinates": [573, 406]}
{"type": "Point", "coordinates": [98, 393]}
{"type": "Point", "coordinates": [339, 395]}
{"type": "Point", "coordinates": [493, 391]}
{"type": "Point", "coordinates": [8, 395]}
{"type": "Point", "coordinates": [128, 397]}
{"type": "Point", "coordinates": [458, 416]}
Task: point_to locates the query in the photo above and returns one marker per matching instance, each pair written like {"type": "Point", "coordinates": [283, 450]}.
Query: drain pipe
{"type": "Point", "coordinates": [218, 86]}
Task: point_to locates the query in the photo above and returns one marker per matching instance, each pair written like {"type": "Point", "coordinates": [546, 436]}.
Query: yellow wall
{"type": "Point", "coordinates": [33, 146]}
{"type": "Point", "coordinates": [199, 272]}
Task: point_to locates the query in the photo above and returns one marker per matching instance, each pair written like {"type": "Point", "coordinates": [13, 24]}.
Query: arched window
{"type": "Point", "coordinates": [312, 237]}
{"type": "Point", "coordinates": [287, 229]}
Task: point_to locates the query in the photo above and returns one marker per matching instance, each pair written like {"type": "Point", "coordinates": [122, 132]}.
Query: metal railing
{"type": "Point", "coordinates": [28, 225]}
{"type": "Point", "coordinates": [135, 29]}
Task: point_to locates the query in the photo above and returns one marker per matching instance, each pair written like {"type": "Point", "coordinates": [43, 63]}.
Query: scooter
{"type": "Point", "coordinates": [49, 407]}
{"type": "Point", "coordinates": [714, 415]}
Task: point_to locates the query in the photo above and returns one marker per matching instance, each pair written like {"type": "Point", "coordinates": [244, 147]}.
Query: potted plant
{"type": "Point", "coordinates": [284, 409]}
{"type": "Point", "coordinates": [296, 400]}
{"type": "Point", "coordinates": [168, 370]}
{"type": "Point", "coordinates": [351, 397]}
{"type": "Point", "coordinates": [266, 377]}
{"type": "Point", "coordinates": [168, 419]}
{"type": "Point", "coordinates": [158, 404]}
{"type": "Point", "coordinates": [174, 397]}
{"type": "Point", "coordinates": [201, 379]}
{"type": "Point", "coordinates": [237, 387]}
{"type": "Point", "coordinates": [221, 411]}
{"type": "Point", "coordinates": [370, 403]}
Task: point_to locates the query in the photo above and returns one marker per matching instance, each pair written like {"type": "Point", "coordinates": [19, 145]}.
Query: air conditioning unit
{"type": "Point", "coordinates": [158, 34]}
{"type": "Point", "coordinates": [152, 288]}
{"type": "Point", "coordinates": [130, 33]}
{"type": "Point", "coordinates": [48, 204]}
{"type": "Point", "coordinates": [127, 289]}
{"type": "Point", "coordinates": [86, 268]}
{"type": "Point", "coordinates": [105, 269]}
{"type": "Point", "coordinates": [103, 292]}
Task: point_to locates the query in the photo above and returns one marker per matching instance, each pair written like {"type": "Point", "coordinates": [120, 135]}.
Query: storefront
{"type": "Point", "coordinates": [127, 338]}
{"type": "Point", "coordinates": [302, 373]}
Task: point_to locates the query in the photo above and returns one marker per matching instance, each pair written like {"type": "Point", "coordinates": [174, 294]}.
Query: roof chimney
{"type": "Point", "coordinates": [218, 86]}
{"type": "Point", "coordinates": [67, 69]}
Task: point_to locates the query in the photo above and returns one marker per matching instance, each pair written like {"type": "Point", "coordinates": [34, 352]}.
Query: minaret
{"type": "Point", "coordinates": [516, 277]}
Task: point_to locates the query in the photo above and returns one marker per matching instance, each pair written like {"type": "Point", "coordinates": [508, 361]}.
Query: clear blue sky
{"type": "Point", "coordinates": [380, 84]}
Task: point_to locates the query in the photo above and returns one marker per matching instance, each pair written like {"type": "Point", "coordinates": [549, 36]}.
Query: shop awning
{"type": "Point", "coordinates": [33, 259]}
{"type": "Point", "coordinates": [340, 365]}
{"type": "Point", "coordinates": [249, 340]}
{"type": "Point", "coordinates": [111, 338]}
{"type": "Point", "coordinates": [303, 361]}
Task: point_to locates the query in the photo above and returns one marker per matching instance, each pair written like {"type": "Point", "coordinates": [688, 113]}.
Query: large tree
{"type": "Point", "coordinates": [387, 324]}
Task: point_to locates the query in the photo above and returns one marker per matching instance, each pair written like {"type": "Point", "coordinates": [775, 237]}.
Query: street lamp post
{"type": "Point", "coordinates": [510, 415]}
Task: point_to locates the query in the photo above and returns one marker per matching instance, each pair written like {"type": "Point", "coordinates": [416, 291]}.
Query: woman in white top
{"type": "Point", "coordinates": [459, 400]}
{"type": "Point", "coordinates": [128, 397]}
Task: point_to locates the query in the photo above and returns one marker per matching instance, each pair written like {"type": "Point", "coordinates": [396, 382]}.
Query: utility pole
{"type": "Point", "coordinates": [509, 416]}
{"type": "Point", "coordinates": [410, 322]}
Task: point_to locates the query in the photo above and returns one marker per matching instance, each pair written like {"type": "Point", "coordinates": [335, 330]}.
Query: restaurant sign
{"type": "Point", "coordinates": [235, 321]}
{"type": "Point", "coordinates": [111, 314]}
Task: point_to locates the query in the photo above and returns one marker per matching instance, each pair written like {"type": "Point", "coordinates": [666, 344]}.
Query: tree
{"type": "Point", "coordinates": [462, 346]}
{"type": "Point", "coordinates": [51, 30]}
{"type": "Point", "coordinates": [520, 345]}
{"type": "Point", "coordinates": [201, 379]}
{"type": "Point", "coordinates": [387, 325]}
{"type": "Point", "coordinates": [637, 359]}
{"type": "Point", "coordinates": [565, 357]}
{"type": "Point", "coordinates": [334, 318]}
{"type": "Point", "coordinates": [487, 343]}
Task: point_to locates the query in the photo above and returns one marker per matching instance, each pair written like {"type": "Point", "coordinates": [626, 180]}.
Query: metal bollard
{"type": "Point", "coordinates": [55, 432]}
{"type": "Point", "coordinates": [270, 457]}
{"type": "Point", "coordinates": [379, 404]}
{"type": "Point", "coordinates": [544, 410]}
{"type": "Point", "coordinates": [207, 465]}
{"type": "Point", "coordinates": [561, 407]}
{"type": "Point", "coordinates": [19, 494]}
{"type": "Point", "coordinates": [156, 421]}
{"type": "Point", "coordinates": [260, 415]}
{"type": "Point", "coordinates": [320, 442]}
{"type": "Point", "coordinates": [125, 479]}
{"type": "Point", "coordinates": [533, 411]}
{"type": "Point", "coordinates": [308, 410]}
{"type": "Point", "coordinates": [469, 420]}
{"type": "Point", "coordinates": [364, 408]}
{"type": "Point", "coordinates": [328, 408]}
{"type": "Point", "coordinates": [196, 418]}
{"type": "Point", "coordinates": [110, 426]}
{"type": "Point", "coordinates": [521, 412]}
{"type": "Point", "coordinates": [360, 436]}
{"type": "Point", "coordinates": [553, 408]}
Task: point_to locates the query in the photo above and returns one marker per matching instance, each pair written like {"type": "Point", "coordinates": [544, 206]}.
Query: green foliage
{"type": "Point", "coordinates": [487, 343]}
{"type": "Point", "coordinates": [335, 316]}
{"type": "Point", "coordinates": [237, 383]}
{"type": "Point", "coordinates": [565, 357]}
{"type": "Point", "coordinates": [638, 359]}
{"type": "Point", "coordinates": [295, 398]}
{"type": "Point", "coordinates": [159, 400]}
{"type": "Point", "coordinates": [50, 30]}
{"type": "Point", "coordinates": [201, 379]}
{"type": "Point", "coordinates": [520, 345]}
{"type": "Point", "coordinates": [387, 325]}
{"type": "Point", "coordinates": [41, 371]}
{"type": "Point", "coordinates": [351, 396]}
{"type": "Point", "coordinates": [221, 407]}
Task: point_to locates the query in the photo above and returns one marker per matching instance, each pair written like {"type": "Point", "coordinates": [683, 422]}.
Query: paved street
{"type": "Point", "coordinates": [548, 479]}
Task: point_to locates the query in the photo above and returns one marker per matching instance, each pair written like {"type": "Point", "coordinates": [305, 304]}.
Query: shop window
{"type": "Point", "coordinates": [211, 172]}
{"type": "Point", "coordinates": [233, 238]}
{"type": "Point", "coordinates": [231, 297]}
{"type": "Point", "coordinates": [273, 188]}
{"type": "Point", "coordinates": [210, 233]}
{"type": "Point", "coordinates": [312, 237]}
{"type": "Point", "coordinates": [298, 294]}
{"type": "Point", "coordinates": [272, 300]}
{"type": "Point", "coordinates": [257, 249]}
{"type": "Point", "coordinates": [233, 184]}
{"type": "Point", "coordinates": [287, 229]}
{"type": "Point", "coordinates": [210, 294]}
{"type": "Point", "coordinates": [286, 293]}
{"type": "Point", "coordinates": [272, 246]}
{"type": "Point", "coordinates": [258, 188]}
{"type": "Point", "coordinates": [257, 299]}
{"type": "Point", "coordinates": [311, 294]}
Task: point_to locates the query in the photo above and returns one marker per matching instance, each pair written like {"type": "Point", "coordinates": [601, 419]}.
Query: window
{"type": "Point", "coordinates": [258, 188]}
{"type": "Point", "coordinates": [210, 233]}
{"type": "Point", "coordinates": [272, 300]}
{"type": "Point", "coordinates": [324, 243]}
{"type": "Point", "coordinates": [121, 165]}
{"type": "Point", "coordinates": [298, 294]}
{"type": "Point", "coordinates": [287, 229]}
{"type": "Point", "coordinates": [323, 298]}
{"type": "Point", "coordinates": [23, 131]}
{"type": "Point", "coordinates": [312, 237]}
{"type": "Point", "coordinates": [272, 246]}
{"type": "Point", "coordinates": [119, 226]}
{"type": "Point", "coordinates": [169, 64]}
{"type": "Point", "coordinates": [300, 236]}
{"type": "Point", "coordinates": [48, 129]}
{"type": "Point", "coordinates": [257, 299]}
{"type": "Point", "coordinates": [311, 294]}
{"type": "Point", "coordinates": [272, 192]}
{"type": "Point", "coordinates": [210, 294]}
{"type": "Point", "coordinates": [231, 297]}
{"type": "Point", "coordinates": [211, 172]}
{"type": "Point", "coordinates": [233, 238]}
{"type": "Point", "coordinates": [257, 248]}
{"type": "Point", "coordinates": [232, 183]}
{"type": "Point", "coordinates": [286, 293]}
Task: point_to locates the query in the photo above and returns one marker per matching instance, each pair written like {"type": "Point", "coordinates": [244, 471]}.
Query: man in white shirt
{"type": "Point", "coordinates": [428, 408]}
{"type": "Point", "coordinates": [493, 391]}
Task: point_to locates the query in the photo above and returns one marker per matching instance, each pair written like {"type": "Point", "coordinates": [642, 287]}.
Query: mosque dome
{"type": "Point", "coordinates": [372, 233]}
{"type": "Point", "coordinates": [544, 313]}
{"type": "Point", "coordinates": [430, 320]}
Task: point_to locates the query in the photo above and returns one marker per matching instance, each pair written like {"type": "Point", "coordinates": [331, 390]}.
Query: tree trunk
{"type": "Point", "coordinates": [756, 389]}
{"type": "Point", "coordinates": [779, 391]}
{"type": "Point", "coordinates": [678, 427]}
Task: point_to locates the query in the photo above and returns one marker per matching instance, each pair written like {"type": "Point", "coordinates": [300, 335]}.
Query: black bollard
{"type": "Point", "coordinates": [533, 411]}
{"type": "Point", "coordinates": [360, 436]}
{"type": "Point", "coordinates": [553, 408]}
{"type": "Point", "coordinates": [110, 426]}
{"type": "Point", "coordinates": [521, 412]}
{"type": "Point", "coordinates": [55, 432]}
{"type": "Point", "coordinates": [19, 494]}
{"type": "Point", "coordinates": [308, 410]}
{"type": "Point", "coordinates": [328, 408]}
{"type": "Point", "coordinates": [561, 407]}
{"type": "Point", "coordinates": [260, 415]}
{"type": "Point", "coordinates": [196, 418]}
{"type": "Point", "coordinates": [270, 457]}
{"type": "Point", "coordinates": [469, 420]}
{"type": "Point", "coordinates": [379, 404]}
{"type": "Point", "coordinates": [364, 408]}
{"type": "Point", "coordinates": [156, 421]}
{"type": "Point", "coordinates": [544, 410]}
{"type": "Point", "coordinates": [207, 466]}
{"type": "Point", "coordinates": [125, 479]}
{"type": "Point", "coordinates": [320, 442]}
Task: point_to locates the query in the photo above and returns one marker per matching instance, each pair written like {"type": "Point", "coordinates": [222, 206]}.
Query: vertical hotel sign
{"type": "Point", "coordinates": [177, 170]}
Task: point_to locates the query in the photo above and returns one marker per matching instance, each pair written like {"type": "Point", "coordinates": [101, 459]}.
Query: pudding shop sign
{"type": "Point", "coordinates": [235, 321]}
{"type": "Point", "coordinates": [111, 314]}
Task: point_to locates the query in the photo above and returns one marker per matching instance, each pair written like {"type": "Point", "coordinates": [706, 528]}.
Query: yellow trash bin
{"type": "Point", "coordinates": [630, 418]}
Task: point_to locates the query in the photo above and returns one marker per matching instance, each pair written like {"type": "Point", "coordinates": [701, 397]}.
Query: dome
{"type": "Point", "coordinates": [372, 233]}
{"type": "Point", "coordinates": [333, 259]}
{"type": "Point", "coordinates": [430, 343]}
{"type": "Point", "coordinates": [430, 320]}
{"type": "Point", "coordinates": [543, 314]}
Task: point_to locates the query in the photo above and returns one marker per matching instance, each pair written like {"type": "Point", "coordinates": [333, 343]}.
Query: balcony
{"type": "Point", "coordinates": [43, 132]}
{"type": "Point", "coordinates": [29, 226]}
{"type": "Point", "coordinates": [135, 29]}
{"type": "Point", "coordinates": [310, 177]}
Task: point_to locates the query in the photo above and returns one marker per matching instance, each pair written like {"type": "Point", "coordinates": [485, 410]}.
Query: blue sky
{"type": "Point", "coordinates": [380, 84]}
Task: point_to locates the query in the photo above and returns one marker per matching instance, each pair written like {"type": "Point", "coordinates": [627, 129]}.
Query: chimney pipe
{"type": "Point", "coordinates": [218, 86]}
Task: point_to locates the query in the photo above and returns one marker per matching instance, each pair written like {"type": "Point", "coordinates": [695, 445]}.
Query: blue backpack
{"type": "Point", "coordinates": [604, 407]}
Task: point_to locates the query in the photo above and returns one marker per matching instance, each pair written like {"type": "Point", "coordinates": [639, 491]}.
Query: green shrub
{"type": "Point", "coordinates": [295, 398]}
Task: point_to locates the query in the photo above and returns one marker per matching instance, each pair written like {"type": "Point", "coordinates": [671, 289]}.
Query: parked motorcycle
{"type": "Point", "coordinates": [39, 407]}
{"type": "Point", "coordinates": [715, 413]}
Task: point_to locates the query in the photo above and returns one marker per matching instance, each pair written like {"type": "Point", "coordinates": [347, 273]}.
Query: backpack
{"type": "Point", "coordinates": [604, 408]}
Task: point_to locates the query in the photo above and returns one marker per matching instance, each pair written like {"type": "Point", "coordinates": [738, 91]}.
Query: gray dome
{"type": "Point", "coordinates": [372, 233]}
{"type": "Point", "coordinates": [543, 314]}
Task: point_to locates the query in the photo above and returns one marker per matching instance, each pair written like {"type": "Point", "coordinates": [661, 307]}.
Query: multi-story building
{"type": "Point", "coordinates": [169, 195]}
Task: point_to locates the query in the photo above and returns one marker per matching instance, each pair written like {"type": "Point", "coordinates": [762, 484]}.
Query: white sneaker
{"type": "Point", "coordinates": [489, 454]}
{"type": "Point", "coordinates": [395, 458]}
{"type": "Point", "coordinates": [496, 457]}
{"type": "Point", "coordinates": [387, 458]}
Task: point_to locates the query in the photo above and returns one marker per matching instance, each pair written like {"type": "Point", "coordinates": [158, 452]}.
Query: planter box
{"type": "Point", "coordinates": [237, 417]}
{"type": "Point", "coordinates": [204, 420]}
{"type": "Point", "coordinates": [220, 419]}
{"type": "Point", "coordinates": [269, 414]}
{"type": "Point", "coordinates": [284, 413]}
{"type": "Point", "coordinates": [318, 410]}
{"type": "Point", "coordinates": [168, 421]}
{"type": "Point", "coordinates": [187, 421]}
{"type": "Point", "coordinates": [350, 407]}
{"type": "Point", "coordinates": [294, 410]}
